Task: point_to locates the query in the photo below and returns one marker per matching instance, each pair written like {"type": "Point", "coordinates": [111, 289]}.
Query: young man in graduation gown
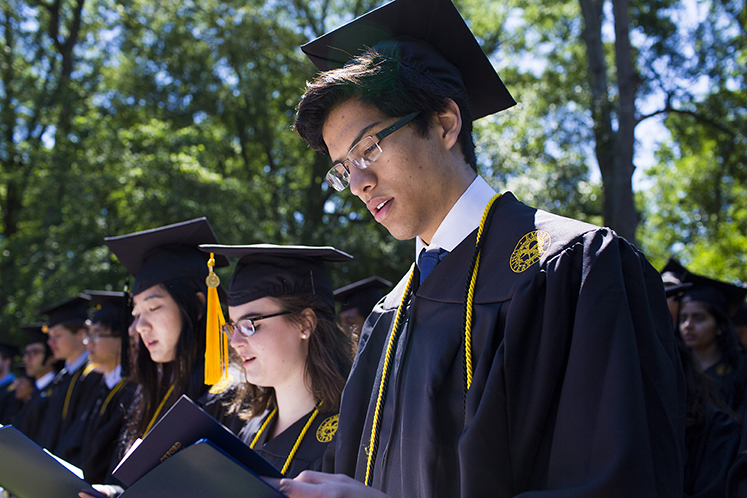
{"type": "Point", "coordinates": [102, 424]}
{"type": "Point", "coordinates": [537, 359]}
{"type": "Point", "coordinates": [40, 364]}
{"type": "Point", "coordinates": [74, 385]}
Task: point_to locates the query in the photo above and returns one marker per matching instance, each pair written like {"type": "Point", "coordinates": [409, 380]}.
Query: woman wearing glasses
{"type": "Point", "coordinates": [294, 355]}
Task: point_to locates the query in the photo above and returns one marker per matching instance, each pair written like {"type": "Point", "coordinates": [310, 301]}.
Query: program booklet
{"type": "Point", "coordinates": [29, 471]}
{"type": "Point", "coordinates": [177, 434]}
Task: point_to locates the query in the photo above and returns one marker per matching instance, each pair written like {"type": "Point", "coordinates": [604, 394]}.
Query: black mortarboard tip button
{"type": "Point", "coordinates": [432, 35]}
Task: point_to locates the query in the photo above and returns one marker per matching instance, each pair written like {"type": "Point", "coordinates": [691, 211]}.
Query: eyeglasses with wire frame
{"type": "Point", "coordinates": [363, 154]}
{"type": "Point", "coordinates": [245, 327]}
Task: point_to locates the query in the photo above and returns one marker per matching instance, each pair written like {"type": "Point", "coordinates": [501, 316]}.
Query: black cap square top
{"type": "Point", "coordinates": [276, 270]}
{"type": "Point", "coordinates": [164, 253]}
{"type": "Point", "coordinates": [73, 309]}
{"type": "Point", "coordinates": [430, 34]}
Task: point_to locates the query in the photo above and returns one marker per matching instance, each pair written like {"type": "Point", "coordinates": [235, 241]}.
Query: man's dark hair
{"type": "Point", "coordinates": [394, 86]}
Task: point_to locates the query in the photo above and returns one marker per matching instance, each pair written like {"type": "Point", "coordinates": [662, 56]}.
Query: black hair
{"type": "Point", "coordinates": [394, 86]}
{"type": "Point", "coordinates": [155, 379]}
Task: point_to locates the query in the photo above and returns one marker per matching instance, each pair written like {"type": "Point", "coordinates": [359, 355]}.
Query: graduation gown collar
{"type": "Point", "coordinates": [518, 237]}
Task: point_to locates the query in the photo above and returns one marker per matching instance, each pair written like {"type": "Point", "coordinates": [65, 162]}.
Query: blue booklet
{"type": "Point", "coordinates": [179, 429]}
{"type": "Point", "coordinates": [28, 470]}
{"type": "Point", "coordinates": [200, 470]}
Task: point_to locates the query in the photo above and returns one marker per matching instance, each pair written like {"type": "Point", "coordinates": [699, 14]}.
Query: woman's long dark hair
{"type": "Point", "coordinates": [155, 379]}
{"type": "Point", "coordinates": [726, 340]}
{"type": "Point", "coordinates": [328, 362]}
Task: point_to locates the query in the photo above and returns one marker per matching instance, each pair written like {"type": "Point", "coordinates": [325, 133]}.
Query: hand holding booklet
{"type": "Point", "coordinates": [190, 454]}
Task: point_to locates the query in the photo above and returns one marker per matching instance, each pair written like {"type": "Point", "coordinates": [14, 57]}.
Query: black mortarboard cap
{"type": "Point", "coordinates": [9, 349]}
{"type": "Point", "coordinates": [430, 34]}
{"type": "Point", "coordinates": [725, 296]}
{"type": "Point", "coordinates": [111, 306]}
{"type": "Point", "coordinates": [35, 333]}
{"type": "Point", "coordinates": [160, 254]}
{"type": "Point", "coordinates": [363, 294]}
{"type": "Point", "coordinates": [73, 309]}
{"type": "Point", "coordinates": [276, 270]}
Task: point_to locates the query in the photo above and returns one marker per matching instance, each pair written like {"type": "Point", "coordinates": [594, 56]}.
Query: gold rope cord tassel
{"type": "Point", "coordinates": [216, 343]}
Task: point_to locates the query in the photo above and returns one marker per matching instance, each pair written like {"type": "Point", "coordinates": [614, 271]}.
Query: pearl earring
{"type": "Point", "coordinates": [303, 336]}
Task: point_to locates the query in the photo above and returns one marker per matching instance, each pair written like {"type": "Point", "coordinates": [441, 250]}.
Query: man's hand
{"type": "Point", "coordinates": [310, 484]}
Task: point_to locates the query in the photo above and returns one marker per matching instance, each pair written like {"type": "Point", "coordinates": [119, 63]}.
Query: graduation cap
{"type": "Point", "coordinates": [276, 270]}
{"type": "Point", "coordinates": [111, 307]}
{"type": "Point", "coordinates": [362, 295]}
{"type": "Point", "coordinates": [726, 297]}
{"type": "Point", "coordinates": [73, 309]}
{"type": "Point", "coordinates": [35, 332]}
{"type": "Point", "coordinates": [429, 34]}
{"type": "Point", "coordinates": [160, 254]}
{"type": "Point", "coordinates": [9, 350]}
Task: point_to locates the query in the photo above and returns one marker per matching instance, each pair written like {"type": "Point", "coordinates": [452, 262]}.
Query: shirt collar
{"type": "Point", "coordinates": [113, 377]}
{"type": "Point", "coordinates": [78, 362]}
{"type": "Point", "coordinates": [463, 218]}
{"type": "Point", "coordinates": [44, 380]}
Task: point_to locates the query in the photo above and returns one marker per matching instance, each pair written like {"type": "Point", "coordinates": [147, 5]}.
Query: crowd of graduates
{"type": "Point", "coordinates": [523, 353]}
{"type": "Point", "coordinates": [87, 388]}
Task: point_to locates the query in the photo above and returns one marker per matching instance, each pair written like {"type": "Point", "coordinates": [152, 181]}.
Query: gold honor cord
{"type": "Point", "coordinates": [468, 308]}
{"type": "Point", "coordinates": [393, 336]}
{"type": "Point", "coordinates": [375, 427]}
{"type": "Point", "coordinates": [296, 445]}
{"type": "Point", "coordinates": [158, 410]}
{"type": "Point", "coordinates": [111, 395]}
{"type": "Point", "coordinates": [70, 392]}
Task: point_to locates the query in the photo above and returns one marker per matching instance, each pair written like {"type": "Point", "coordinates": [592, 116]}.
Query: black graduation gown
{"type": "Point", "coordinates": [712, 447]}
{"type": "Point", "coordinates": [9, 405]}
{"type": "Point", "coordinates": [577, 391]}
{"type": "Point", "coordinates": [104, 425]}
{"type": "Point", "coordinates": [60, 432]}
{"type": "Point", "coordinates": [731, 384]}
{"type": "Point", "coordinates": [310, 453]}
{"type": "Point", "coordinates": [29, 419]}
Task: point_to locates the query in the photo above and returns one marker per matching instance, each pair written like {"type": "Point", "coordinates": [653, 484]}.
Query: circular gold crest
{"type": "Point", "coordinates": [529, 250]}
{"type": "Point", "coordinates": [327, 429]}
{"type": "Point", "coordinates": [212, 281]}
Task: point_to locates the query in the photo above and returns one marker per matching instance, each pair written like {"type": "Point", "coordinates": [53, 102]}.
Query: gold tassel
{"type": "Point", "coordinates": [216, 343]}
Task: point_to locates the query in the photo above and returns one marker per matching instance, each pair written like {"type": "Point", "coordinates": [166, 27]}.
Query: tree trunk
{"type": "Point", "coordinates": [614, 150]}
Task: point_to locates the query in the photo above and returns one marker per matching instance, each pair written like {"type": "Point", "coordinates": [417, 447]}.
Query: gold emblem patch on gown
{"type": "Point", "coordinates": [529, 250]}
{"type": "Point", "coordinates": [327, 429]}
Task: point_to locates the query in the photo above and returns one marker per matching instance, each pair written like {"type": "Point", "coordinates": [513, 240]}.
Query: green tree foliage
{"type": "Point", "coordinates": [117, 116]}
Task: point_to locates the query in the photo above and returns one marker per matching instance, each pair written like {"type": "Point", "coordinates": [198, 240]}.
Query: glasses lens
{"type": "Point", "coordinates": [365, 153]}
{"type": "Point", "coordinates": [244, 328]}
{"type": "Point", "coordinates": [338, 177]}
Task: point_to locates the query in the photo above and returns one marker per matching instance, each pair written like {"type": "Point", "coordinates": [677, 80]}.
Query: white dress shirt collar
{"type": "Point", "coordinates": [463, 218]}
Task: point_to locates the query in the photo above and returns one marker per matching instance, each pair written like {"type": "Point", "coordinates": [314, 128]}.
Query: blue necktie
{"type": "Point", "coordinates": [428, 261]}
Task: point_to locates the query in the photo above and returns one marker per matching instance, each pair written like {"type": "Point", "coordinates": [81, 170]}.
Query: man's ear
{"type": "Point", "coordinates": [449, 124]}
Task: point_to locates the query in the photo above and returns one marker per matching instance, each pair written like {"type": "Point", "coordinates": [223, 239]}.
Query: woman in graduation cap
{"type": "Point", "coordinates": [295, 356]}
{"type": "Point", "coordinates": [706, 329]}
{"type": "Point", "coordinates": [168, 308]}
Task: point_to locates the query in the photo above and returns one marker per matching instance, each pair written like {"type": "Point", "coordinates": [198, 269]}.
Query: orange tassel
{"type": "Point", "coordinates": [216, 342]}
